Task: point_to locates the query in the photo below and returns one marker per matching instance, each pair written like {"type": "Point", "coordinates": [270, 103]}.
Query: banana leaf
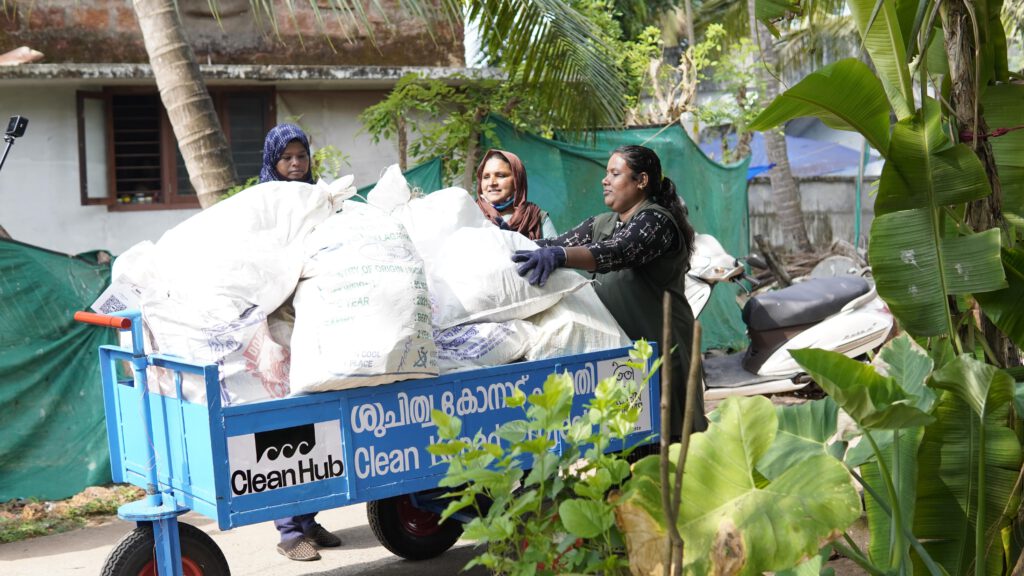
{"type": "Point", "coordinates": [915, 268]}
{"type": "Point", "coordinates": [1003, 306]}
{"type": "Point", "coordinates": [925, 170]}
{"type": "Point", "coordinates": [963, 463]}
{"type": "Point", "coordinates": [874, 401]}
{"type": "Point", "coordinates": [900, 458]}
{"type": "Point", "coordinates": [729, 524]}
{"type": "Point", "coordinates": [845, 95]}
{"type": "Point", "coordinates": [915, 261]}
{"type": "Point", "coordinates": [885, 43]}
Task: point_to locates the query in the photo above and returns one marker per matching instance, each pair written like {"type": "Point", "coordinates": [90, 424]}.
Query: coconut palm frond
{"type": "Point", "coordinates": [830, 39]}
{"type": "Point", "coordinates": [561, 56]}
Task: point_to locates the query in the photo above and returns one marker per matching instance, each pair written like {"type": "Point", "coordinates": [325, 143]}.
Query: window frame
{"type": "Point", "coordinates": [170, 199]}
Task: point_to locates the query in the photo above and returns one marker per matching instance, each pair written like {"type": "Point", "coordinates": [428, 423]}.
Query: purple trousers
{"type": "Point", "coordinates": [295, 526]}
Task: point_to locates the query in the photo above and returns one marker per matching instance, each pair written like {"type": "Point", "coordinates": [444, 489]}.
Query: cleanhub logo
{"type": "Point", "coordinates": [285, 457]}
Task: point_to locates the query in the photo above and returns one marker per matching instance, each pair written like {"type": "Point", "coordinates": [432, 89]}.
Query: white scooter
{"type": "Point", "coordinates": [842, 313]}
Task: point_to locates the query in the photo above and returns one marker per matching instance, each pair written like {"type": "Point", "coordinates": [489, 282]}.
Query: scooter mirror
{"type": "Point", "coordinates": [756, 260]}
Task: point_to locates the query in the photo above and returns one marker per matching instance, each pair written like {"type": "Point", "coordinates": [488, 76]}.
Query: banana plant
{"type": "Point", "coordinates": [943, 489]}
{"type": "Point", "coordinates": [921, 249]}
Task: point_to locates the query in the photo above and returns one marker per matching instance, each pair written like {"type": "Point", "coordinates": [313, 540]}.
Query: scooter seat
{"type": "Point", "coordinates": [805, 303]}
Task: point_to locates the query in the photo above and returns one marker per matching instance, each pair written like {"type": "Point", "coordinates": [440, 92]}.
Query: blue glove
{"type": "Point", "coordinates": [542, 262]}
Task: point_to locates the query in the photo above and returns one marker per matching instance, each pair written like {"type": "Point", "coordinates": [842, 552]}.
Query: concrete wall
{"type": "Point", "coordinates": [829, 205]}
{"type": "Point", "coordinates": [39, 183]}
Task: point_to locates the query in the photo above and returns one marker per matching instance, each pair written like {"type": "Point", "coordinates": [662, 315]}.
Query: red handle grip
{"type": "Point", "coordinates": [104, 320]}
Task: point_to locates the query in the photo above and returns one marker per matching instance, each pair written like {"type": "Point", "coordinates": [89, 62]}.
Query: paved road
{"type": "Point", "coordinates": [250, 551]}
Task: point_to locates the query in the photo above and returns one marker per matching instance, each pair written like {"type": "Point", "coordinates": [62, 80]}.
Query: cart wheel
{"type": "Point", "coordinates": [133, 555]}
{"type": "Point", "coordinates": [408, 531]}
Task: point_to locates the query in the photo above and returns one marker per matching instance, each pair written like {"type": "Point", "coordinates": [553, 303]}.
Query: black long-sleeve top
{"type": "Point", "coordinates": [646, 236]}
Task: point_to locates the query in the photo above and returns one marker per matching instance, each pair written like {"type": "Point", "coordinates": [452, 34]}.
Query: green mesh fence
{"type": "Point", "coordinates": [55, 441]}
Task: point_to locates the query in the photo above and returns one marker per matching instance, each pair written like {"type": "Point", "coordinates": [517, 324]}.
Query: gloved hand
{"type": "Point", "coordinates": [542, 262]}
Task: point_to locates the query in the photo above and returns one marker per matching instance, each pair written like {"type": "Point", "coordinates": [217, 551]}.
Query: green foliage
{"type": "Point", "coordinates": [636, 17]}
{"type": "Point", "coordinates": [441, 118]}
{"type": "Point", "coordinates": [732, 69]}
{"type": "Point", "coordinates": [751, 501]}
{"type": "Point", "coordinates": [328, 162]}
{"type": "Point", "coordinates": [922, 251]}
{"type": "Point", "coordinates": [249, 183]}
{"type": "Point", "coordinates": [942, 482]}
{"type": "Point", "coordinates": [763, 488]}
{"type": "Point", "coordinates": [539, 511]}
{"type": "Point", "coordinates": [554, 55]}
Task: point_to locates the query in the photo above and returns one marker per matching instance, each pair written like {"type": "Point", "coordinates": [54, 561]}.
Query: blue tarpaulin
{"type": "Point", "coordinates": [807, 157]}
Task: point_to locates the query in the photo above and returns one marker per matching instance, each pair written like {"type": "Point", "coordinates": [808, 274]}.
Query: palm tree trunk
{"type": "Point", "coordinates": [785, 193]}
{"type": "Point", "coordinates": [184, 95]}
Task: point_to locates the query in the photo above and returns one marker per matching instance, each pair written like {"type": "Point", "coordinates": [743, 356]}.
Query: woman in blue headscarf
{"type": "Point", "coordinates": [286, 155]}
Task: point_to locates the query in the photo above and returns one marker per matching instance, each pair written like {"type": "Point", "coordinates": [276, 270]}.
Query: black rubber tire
{"type": "Point", "coordinates": [134, 553]}
{"type": "Point", "coordinates": [391, 524]}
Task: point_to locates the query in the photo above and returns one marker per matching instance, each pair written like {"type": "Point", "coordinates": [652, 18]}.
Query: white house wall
{"type": "Point", "coordinates": [39, 182]}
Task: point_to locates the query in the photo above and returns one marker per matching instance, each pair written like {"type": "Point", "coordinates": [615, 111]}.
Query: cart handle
{"type": "Point", "coordinates": [104, 320]}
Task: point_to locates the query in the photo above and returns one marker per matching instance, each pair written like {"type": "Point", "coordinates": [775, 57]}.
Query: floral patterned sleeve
{"type": "Point", "coordinates": [578, 236]}
{"type": "Point", "coordinates": [648, 235]}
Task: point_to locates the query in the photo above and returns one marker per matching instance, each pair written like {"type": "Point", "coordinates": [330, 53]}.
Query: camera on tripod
{"type": "Point", "coordinates": [16, 127]}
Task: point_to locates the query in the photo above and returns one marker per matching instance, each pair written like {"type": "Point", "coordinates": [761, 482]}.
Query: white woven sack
{"type": "Point", "coordinates": [579, 323]}
{"type": "Point", "coordinates": [429, 219]}
{"type": "Point", "coordinates": [483, 344]}
{"type": "Point", "coordinates": [468, 260]}
{"type": "Point", "coordinates": [362, 311]}
{"type": "Point", "coordinates": [212, 280]}
{"type": "Point", "coordinates": [253, 367]}
{"type": "Point", "coordinates": [473, 279]}
{"type": "Point", "coordinates": [249, 246]}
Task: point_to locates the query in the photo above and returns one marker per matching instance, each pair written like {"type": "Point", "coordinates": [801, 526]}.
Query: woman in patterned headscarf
{"type": "Point", "coordinates": [286, 155]}
{"type": "Point", "coordinates": [501, 196]}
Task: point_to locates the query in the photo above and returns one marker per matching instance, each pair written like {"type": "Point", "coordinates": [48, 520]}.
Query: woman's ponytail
{"type": "Point", "coordinates": [665, 195]}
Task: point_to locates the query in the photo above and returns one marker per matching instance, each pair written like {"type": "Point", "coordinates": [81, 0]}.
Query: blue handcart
{"type": "Point", "coordinates": [257, 462]}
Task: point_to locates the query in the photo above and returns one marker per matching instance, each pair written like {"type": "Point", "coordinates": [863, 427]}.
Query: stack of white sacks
{"type": "Point", "coordinates": [294, 288]}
